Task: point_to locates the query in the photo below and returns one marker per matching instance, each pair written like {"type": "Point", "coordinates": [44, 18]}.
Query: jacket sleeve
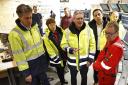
{"type": "Point", "coordinates": [92, 46]}
{"type": "Point", "coordinates": [18, 54]}
{"type": "Point", "coordinates": [112, 61]}
{"type": "Point", "coordinates": [97, 63]}
{"type": "Point", "coordinates": [52, 54]}
{"type": "Point", "coordinates": [64, 43]}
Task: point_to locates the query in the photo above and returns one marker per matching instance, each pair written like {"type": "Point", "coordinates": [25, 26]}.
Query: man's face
{"type": "Point", "coordinates": [26, 19]}
{"type": "Point", "coordinates": [52, 27]}
{"type": "Point", "coordinates": [98, 16]}
{"type": "Point", "coordinates": [78, 20]}
{"type": "Point", "coordinates": [66, 12]}
{"type": "Point", "coordinates": [110, 34]}
{"type": "Point", "coordinates": [35, 9]}
{"type": "Point", "coordinates": [114, 16]}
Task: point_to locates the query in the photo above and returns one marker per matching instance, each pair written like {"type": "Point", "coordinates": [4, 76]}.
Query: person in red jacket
{"type": "Point", "coordinates": [108, 59]}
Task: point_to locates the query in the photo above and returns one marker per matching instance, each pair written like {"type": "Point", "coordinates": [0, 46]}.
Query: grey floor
{"type": "Point", "coordinates": [67, 77]}
{"type": "Point", "coordinates": [53, 74]}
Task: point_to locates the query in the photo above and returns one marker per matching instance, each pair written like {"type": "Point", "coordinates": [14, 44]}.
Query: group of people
{"type": "Point", "coordinates": [76, 43]}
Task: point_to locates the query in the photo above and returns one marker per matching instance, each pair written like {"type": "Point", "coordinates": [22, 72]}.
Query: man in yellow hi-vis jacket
{"type": "Point", "coordinates": [78, 40]}
{"type": "Point", "coordinates": [27, 48]}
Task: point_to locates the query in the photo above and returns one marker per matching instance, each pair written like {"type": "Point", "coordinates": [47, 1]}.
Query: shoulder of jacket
{"type": "Point", "coordinates": [119, 44]}
{"type": "Point", "coordinates": [14, 29]}
{"type": "Point", "coordinates": [88, 27]}
{"type": "Point", "coordinates": [67, 30]}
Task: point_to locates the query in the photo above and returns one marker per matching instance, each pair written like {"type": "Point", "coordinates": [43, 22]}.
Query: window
{"type": "Point", "coordinates": [124, 7]}
{"type": "Point", "coordinates": [115, 7]}
{"type": "Point", "coordinates": [64, 0]}
{"type": "Point", "coordinates": [105, 7]}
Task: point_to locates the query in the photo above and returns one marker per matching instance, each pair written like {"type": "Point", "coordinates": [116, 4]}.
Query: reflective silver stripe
{"type": "Point", "coordinates": [17, 52]}
{"type": "Point", "coordinates": [68, 48]}
{"type": "Point", "coordinates": [21, 51]}
{"type": "Point", "coordinates": [74, 58]}
{"type": "Point", "coordinates": [21, 62]}
{"type": "Point", "coordinates": [57, 57]}
{"type": "Point", "coordinates": [22, 38]}
{"type": "Point", "coordinates": [55, 63]}
{"type": "Point", "coordinates": [83, 63]}
{"type": "Point", "coordinates": [105, 66]}
{"type": "Point", "coordinates": [91, 56]}
{"type": "Point", "coordinates": [35, 56]}
{"type": "Point", "coordinates": [34, 46]}
{"type": "Point", "coordinates": [74, 64]}
{"type": "Point", "coordinates": [118, 45]}
{"type": "Point", "coordinates": [27, 47]}
{"type": "Point", "coordinates": [25, 41]}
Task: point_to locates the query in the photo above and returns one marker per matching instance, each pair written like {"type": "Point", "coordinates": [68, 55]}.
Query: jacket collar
{"type": "Point", "coordinates": [104, 22]}
{"type": "Point", "coordinates": [57, 30]}
{"type": "Point", "coordinates": [74, 30]}
{"type": "Point", "coordinates": [113, 41]}
{"type": "Point", "coordinates": [21, 26]}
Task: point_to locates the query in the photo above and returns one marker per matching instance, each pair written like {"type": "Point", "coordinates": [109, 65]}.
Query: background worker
{"type": "Point", "coordinates": [114, 16]}
{"type": "Point", "coordinates": [37, 19]}
{"type": "Point", "coordinates": [97, 24]}
{"type": "Point", "coordinates": [66, 19]}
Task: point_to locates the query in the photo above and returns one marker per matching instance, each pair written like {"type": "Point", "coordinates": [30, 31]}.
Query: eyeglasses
{"type": "Point", "coordinates": [110, 34]}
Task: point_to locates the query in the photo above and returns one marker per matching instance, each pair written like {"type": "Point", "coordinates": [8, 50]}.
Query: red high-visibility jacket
{"type": "Point", "coordinates": [108, 59]}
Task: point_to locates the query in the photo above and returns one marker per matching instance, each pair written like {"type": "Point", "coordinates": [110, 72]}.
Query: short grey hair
{"type": "Point", "coordinates": [22, 8]}
{"type": "Point", "coordinates": [78, 12]}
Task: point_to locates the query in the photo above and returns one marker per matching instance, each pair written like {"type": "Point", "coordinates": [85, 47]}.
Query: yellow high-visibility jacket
{"type": "Point", "coordinates": [26, 46]}
{"type": "Point", "coordinates": [85, 42]}
{"type": "Point", "coordinates": [51, 46]}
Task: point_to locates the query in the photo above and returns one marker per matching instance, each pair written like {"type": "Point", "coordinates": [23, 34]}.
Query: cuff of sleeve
{"type": "Point", "coordinates": [90, 60]}
{"type": "Point", "coordinates": [97, 66]}
{"type": "Point", "coordinates": [71, 50]}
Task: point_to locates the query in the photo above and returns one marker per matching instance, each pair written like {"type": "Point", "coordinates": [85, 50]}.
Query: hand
{"type": "Point", "coordinates": [28, 79]}
{"type": "Point", "coordinates": [96, 66]}
{"type": "Point", "coordinates": [88, 64]}
{"type": "Point", "coordinates": [75, 50]}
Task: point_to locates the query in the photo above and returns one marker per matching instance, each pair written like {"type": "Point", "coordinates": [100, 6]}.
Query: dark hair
{"type": "Point", "coordinates": [22, 8]}
{"type": "Point", "coordinates": [66, 8]}
{"type": "Point", "coordinates": [113, 24]}
{"type": "Point", "coordinates": [50, 20]}
{"type": "Point", "coordinates": [34, 6]}
{"type": "Point", "coordinates": [96, 10]}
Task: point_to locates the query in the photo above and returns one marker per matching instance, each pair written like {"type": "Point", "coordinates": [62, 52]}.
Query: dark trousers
{"type": "Point", "coordinates": [60, 72]}
{"type": "Point", "coordinates": [40, 79]}
{"type": "Point", "coordinates": [83, 73]}
{"type": "Point", "coordinates": [95, 75]}
{"type": "Point", "coordinates": [41, 31]}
